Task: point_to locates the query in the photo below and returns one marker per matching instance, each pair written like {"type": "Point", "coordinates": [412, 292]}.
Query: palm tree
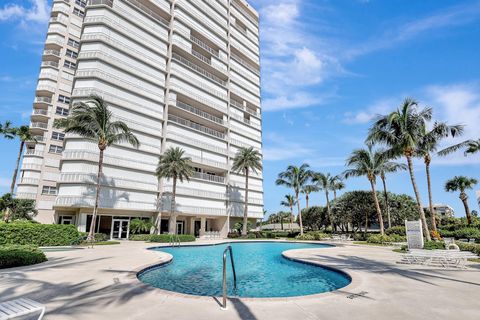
{"type": "Point", "coordinates": [402, 131]}
{"type": "Point", "coordinates": [462, 183]}
{"type": "Point", "coordinates": [429, 144]}
{"type": "Point", "coordinates": [471, 147]}
{"type": "Point", "coordinates": [245, 160]}
{"type": "Point", "coordinates": [388, 167]}
{"type": "Point", "coordinates": [336, 185]}
{"type": "Point", "coordinates": [173, 165]}
{"type": "Point", "coordinates": [325, 182]}
{"type": "Point", "coordinates": [307, 189]}
{"type": "Point", "coordinates": [289, 202]}
{"type": "Point", "coordinates": [24, 134]}
{"type": "Point", "coordinates": [7, 130]}
{"type": "Point", "coordinates": [94, 121]}
{"type": "Point", "coordinates": [367, 162]}
{"type": "Point", "coordinates": [295, 178]}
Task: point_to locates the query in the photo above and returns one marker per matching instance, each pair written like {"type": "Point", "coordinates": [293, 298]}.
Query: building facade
{"type": "Point", "coordinates": [180, 73]}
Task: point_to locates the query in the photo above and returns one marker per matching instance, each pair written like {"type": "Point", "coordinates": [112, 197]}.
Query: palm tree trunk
{"type": "Point", "coordinates": [377, 207]}
{"type": "Point", "coordinates": [91, 234]}
{"type": "Point", "coordinates": [366, 224]}
{"type": "Point", "coordinates": [245, 212]}
{"type": "Point", "coordinates": [173, 218]}
{"type": "Point", "coordinates": [417, 196]}
{"type": "Point", "coordinates": [291, 217]}
{"type": "Point", "coordinates": [430, 201]}
{"type": "Point", "coordinates": [299, 214]}
{"type": "Point", "coordinates": [334, 194]}
{"type": "Point", "coordinates": [15, 172]}
{"type": "Point", "coordinates": [306, 200]}
{"type": "Point", "coordinates": [387, 208]}
{"type": "Point", "coordinates": [464, 199]}
{"type": "Point", "coordinates": [328, 210]}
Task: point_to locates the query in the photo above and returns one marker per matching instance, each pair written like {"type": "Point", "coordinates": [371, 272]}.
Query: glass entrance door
{"type": "Point", "coordinates": [120, 229]}
{"type": "Point", "coordinates": [179, 227]}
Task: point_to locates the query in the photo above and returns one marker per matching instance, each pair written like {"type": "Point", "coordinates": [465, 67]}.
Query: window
{"type": "Point", "coordinates": [63, 99]}
{"type": "Point", "coordinates": [55, 149]}
{"type": "Point", "coordinates": [58, 136]}
{"type": "Point", "coordinates": [71, 54]}
{"type": "Point", "coordinates": [70, 64]}
{"type": "Point", "coordinates": [78, 12]}
{"type": "Point", "coordinates": [81, 3]}
{"type": "Point", "coordinates": [61, 111]}
{"type": "Point", "coordinates": [66, 219]}
{"type": "Point", "coordinates": [73, 43]}
{"type": "Point", "coordinates": [52, 191]}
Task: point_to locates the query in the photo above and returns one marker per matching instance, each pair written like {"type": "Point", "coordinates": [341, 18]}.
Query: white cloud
{"type": "Point", "coordinates": [280, 148]}
{"type": "Point", "coordinates": [38, 12]}
{"type": "Point", "coordinates": [293, 101]}
{"type": "Point", "coordinates": [370, 113]}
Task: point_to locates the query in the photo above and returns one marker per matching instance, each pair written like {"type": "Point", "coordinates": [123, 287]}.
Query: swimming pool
{"type": "Point", "coordinates": [261, 269]}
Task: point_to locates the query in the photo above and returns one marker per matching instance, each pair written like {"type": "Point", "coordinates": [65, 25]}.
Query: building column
{"type": "Point", "coordinates": [203, 226]}
{"type": "Point", "coordinates": [158, 224]}
{"type": "Point", "coordinates": [172, 224]}
{"type": "Point", "coordinates": [82, 222]}
{"type": "Point", "coordinates": [191, 226]}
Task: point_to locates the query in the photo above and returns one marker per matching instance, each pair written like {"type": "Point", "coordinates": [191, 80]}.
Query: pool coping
{"type": "Point", "coordinates": [166, 258]}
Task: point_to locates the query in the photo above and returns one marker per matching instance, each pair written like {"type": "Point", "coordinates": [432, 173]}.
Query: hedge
{"type": "Point", "coordinates": [162, 238]}
{"type": "Point", "coordinates": [469, 232]}
{"type": "Point", "coordinates": [473, 247]}
{"type": "Point", "coordinates": [398, 230]}
{"type": "Point", "coordinates": [20, 255]}
{"type": "Point", "coordinates": [385, 239]}
{"type": "Point", "coordinates": [38, 234]}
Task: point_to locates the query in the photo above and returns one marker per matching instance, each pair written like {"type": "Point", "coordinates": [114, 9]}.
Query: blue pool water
{"type": "Point", "coordinates": [262, 271]}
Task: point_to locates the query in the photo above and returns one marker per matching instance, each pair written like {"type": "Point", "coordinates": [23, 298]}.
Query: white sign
{"type": "Point", "coordinates": [414, 234]}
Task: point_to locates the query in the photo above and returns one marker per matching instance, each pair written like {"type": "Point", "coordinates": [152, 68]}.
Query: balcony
{"type": "Point", "coordinates": [195, 210]}
{"type": "Point", "coordinates": [198, 112]}
{"type": "Point", "coordinates": [204, 46]}
{"type": "Point", "coordinates": [26, 195]}
{"type": "Point", "coordinates": [33, 153]}
{"type": "Point", "coordinates": [197, 69]}
{"type": "Point", "coordinates": [42, 100]}
{"type": "Point", "coordinates": [45, 89]}
{"type": "Point", "coordinates": [78, 177]}
{"type": "Point", "coordinates": [90, 156]}
{"type": "Point", "coordinates": [39, 125]}
{"type": "Point", "coordinates": [55, 40]}
{"type": "Point", "coordinates": [245, 64]}
{"type": "Point", "coordinates": [59, 19]}
{"type": "Point", "coordinates": [209, 177]}
{"type": "Point", "coordinates": [148, 12]}
{"type": "Point", "coordinates": [52, 64]}
{"type": "Point", "coordinates": [240, 106]}
{"type": "Point", "coordinates": [88, 202]}
{"type": "Point", "coordinates": [108, 3]}
{"type": "Point", "coordinates": [37, 139]}
{"type": "Point", "coordinates": [61, 7]}
{"type": "Point", "coordinates": [196, 126]}
{"type": "Point", "coordinates": [207, 162]}
{"type": "Point", "coordinates": [197, 193]}
{"type": "Point", "coordinates": [32, 166]}
{"type": "Point", "coordinates": [54, 53]}
{"type": "Point", "coordinates": [31, 181]}
{"type": "Point", "coordinates": [196, 143]}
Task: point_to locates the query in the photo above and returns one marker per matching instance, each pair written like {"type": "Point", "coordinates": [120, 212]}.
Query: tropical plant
{"type": "Point", "coordinates": [314, 217]}
{"type": "Point", "coordinates": [24, 134]}
{"type": "Point", "coordinates": [336, 185]}
{"type": "Point", "coordinates": [368, 163]}
{"type": "Point", "coordinates": [388, 167]}
{"type": "Point", "coordinates": [12, 209]}
{"type": "Point", "coordinates": [174, 165]}
{"type": "Point", "coordinates": [402, 131]}
{"type": "Point", "coordinates": [462, 183]}
{"type": "Point", "coordinates": [289, 202]}
{"type": "Point", "coordinates": [325, 183]}
{"type": "Point", "coordinates": [295, 178]}
{"type": "Point", "coordinates": [470, 146]}
{"type": "Point", "coordinates": [94, 121]}
{"type": "Point", "coordinates": [307, 190]}
{"type": "Point", "coordinates": [246, 160]}
{"type": "Point", "coordinates": [138, 225]}
{"type": "Point", "coordinates": [7, 130]}
{"type": "Point", "coordinates": [429, 144]}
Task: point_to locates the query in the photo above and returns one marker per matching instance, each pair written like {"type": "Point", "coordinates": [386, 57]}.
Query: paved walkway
{"type": "Point", "coordinates": [100, 283]}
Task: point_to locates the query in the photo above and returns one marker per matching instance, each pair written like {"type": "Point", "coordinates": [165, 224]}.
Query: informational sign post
{"type": "Point", "coordinates": [414, 234]}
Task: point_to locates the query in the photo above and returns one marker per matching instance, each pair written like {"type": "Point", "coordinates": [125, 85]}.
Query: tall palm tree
{"type": "Point", "coordinates": [402, 131]}
{"type": "Point", "coordinates": [295, 178]}
{"type": "Point", "coordinates": [246, 160]}
{"type": "Point", "coordinates": [471, 147]}
{"type": "Point", "coordinates": [388, 167]}
{"type": "Point", "coordinates": [94, 121]}
{"type": "Point", "coordinates": [307, 189]}
{"type": "Point", "coordinates": [462, 183]}
{"type": "Point", "coordinates": [336, 185]}
{"type": "Point", "coordinates": [174, 165]}
{"type": "Point", "coordinates": [289, 202]}
{"type": "Point", "coordinates": [429, 144]}
{"type": "Point", "coordinates": [7, 130]}
{"type": "Point", "coordinates": [367, 162]}
{"type": "Point", "coordinates": [24, 134]}
{"type": "Point", "coordinates": [325, 183]}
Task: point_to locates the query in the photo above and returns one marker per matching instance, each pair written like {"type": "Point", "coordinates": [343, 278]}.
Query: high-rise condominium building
{"type": "Point", "coordinates": [179, 73]}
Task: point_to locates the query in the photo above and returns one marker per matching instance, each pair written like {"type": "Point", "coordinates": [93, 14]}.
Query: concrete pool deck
{"type": "Point", "coordinates": [101, 283]}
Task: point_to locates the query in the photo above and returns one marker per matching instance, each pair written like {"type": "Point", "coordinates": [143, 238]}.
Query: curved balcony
{"type": "Point", "coordinates": [51, 53]}
{"type": "Point", "coordinates": [87, 202]}
{"type": "Point", "coordinates": [25, 195]}
{"type": "Point", "coordinates": [42, 101]}
{"type": "Point", "coordinates": [51, 64]}
{"type": "Point", "coordinates": [32, 166]}
{"type": "Point", "coordinates": [39, 114]}
{"type": "Point", "coordinates": [55, 40]}
{"type": "Point", "coordinates": [29, 181]}
{"type": "Point", "coordinates": [45, 89]}
{"type": "Point", "coordinates": [33, 153]}
{"type": "Point", "coordinates": [39, 125]}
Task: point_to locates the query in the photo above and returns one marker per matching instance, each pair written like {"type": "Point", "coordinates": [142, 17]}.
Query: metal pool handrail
{"type": "Point", "coordinates": [228, 249]}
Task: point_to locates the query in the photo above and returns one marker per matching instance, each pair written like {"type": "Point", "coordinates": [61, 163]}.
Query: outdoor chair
{"type": "Point", "coordinates": [442, 258]}
{"type": "Point", "coordinates": [20, 307]}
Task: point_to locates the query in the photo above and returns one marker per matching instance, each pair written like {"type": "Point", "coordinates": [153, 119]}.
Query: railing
{"type": "Point", "coordinates": [208, 162]}
{"type": "Point", "coordinates": [196, 192]}
{"type": "Point", "coordinates": [198, 69]}
{"type": "Point", "coordinates": [42, 100]}
{"type": "Point", "coordinates": [201, 57]}
{"type": "Point", "coordinates": [199, 112]}
{"type": "Point", "coordinates": [41, 125]}
{"type": "Point", "coordinates": [245, 14]}
{"type": "Point", "coordinates": [181, 89]}
{"type": "Point", "coordinates": [51, 52]}
{"type": "Point", "coordinates": [148, 12]}
{"type": "Point", "coordinates": [204, 46]}
{"type": "Point", "coordinates": [26, 180]}
{"type": "Point", "coordinates": [49, 64]}
{"type": "Point", "coordinates": [43, 87]}
{"type": "Point", "coordinates": [196, 126]}
{"type": "Point", "coordinates": [37, 138]}
{"type": "Point", "coordinates": [209, 177]}
{"type": "Point", "coordinates": [79, 177]}
{"type": "Point", "coordinates": [37, 153]}
{"type": "Point", "coordinates": [194, 142]}
{"type": "Point", "coordinates": [228, 249]}
{"type": "Point", "coordinates": [100, 2]}
{"type": "Point", "coordinates": [31, 166]}
{"type": "Point", "coordinates": [82, 201]}
{"type": "Point", "coordinates": [195, 210]}
{"type": "Point", "coordinates": [245, 64]}
{"type": "Point", "coordinates": [42, 112]}
{"type": "Point", "coordinates": [25, 195]}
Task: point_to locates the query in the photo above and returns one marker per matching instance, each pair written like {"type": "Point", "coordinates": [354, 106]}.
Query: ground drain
{"type": "Point", "coordinates": [357, 295]}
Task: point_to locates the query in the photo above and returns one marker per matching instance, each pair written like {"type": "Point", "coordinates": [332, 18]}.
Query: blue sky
{"type": "Point", "coordinates": [328, 67]}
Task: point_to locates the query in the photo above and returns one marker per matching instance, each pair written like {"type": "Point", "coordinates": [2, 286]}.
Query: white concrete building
{"type": "Point", "coordinates": [179, 73]}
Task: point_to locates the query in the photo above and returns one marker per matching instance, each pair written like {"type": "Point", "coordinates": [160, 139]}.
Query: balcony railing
{"type": "Point", "coordinates": [198, 69]}
{"type": "Point", "coordinates": [208, 162]}
{"type": "Point", "coordinates": [49, 64]}
{"type": "Point", "coordinates": [245, 64]}
{"type": "Point", "coordinates": [148, 12]}
{"type": "Point", "coordinates": [78, 177]}
{"type": "Point", "coordinates": [40, 112]}
{"type": "Point", "coordinates": [242, 107]}
{"type": "Point", "coordinates": [201, 57]}
{"type": "Point", "coordinates": [209, 177]}
{"type": "Point", "coordinates": [25, 195]}
{"type": "Point", "coordinates": [75, 201]}
{"type": "Point", "coordinates": [245, 13]}
{"type": "Point", "coordinates": [43, 87]}
{"type": "Point", "coordinates": [26, 180]}
{"type": "Point", "coordinates": [37, 138]}
{"type": "Point", "coordinates": [100, 2]}
{"type": "Point", "coordinates": [199, 112]}
{"type": "Point", "coordinates": [36, 153]}
{"type": "Point", "coordinates": [46, 100]}
{"type": "Point", "coordinates": [31, 166]}
{"type": "Point", "coordinates": [196, 126]}
{"type": "Point", "coordinates": [196, 192]}
{"type": "Point", "coordinates": [196, 143]}
{"type": "Point", "coordinates": [51, 53]}
{"type": "Point", "coordinates": [204, 46]}
{"type": "Point", "coordinates": [40, 125]}
{"type": "Point", "coordinates": [195, 210]}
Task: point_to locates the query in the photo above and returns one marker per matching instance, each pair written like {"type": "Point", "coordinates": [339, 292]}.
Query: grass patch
{"type": "Point", "coordinates": [399, 250]}
{"type": "Point", "coordinates": [100, 243]}
{"type": "Point", "coordinates": [476, 260]}
{"type": "Point", "coordinates": [371, 244]}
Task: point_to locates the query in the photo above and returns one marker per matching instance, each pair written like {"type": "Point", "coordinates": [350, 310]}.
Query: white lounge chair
{"type": "Point", "coordinates": [20, 307]}
{"type": "Point", "coordinates": [443, 258]}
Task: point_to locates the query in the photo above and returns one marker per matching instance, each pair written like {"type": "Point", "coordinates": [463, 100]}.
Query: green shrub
{"type": "Point", "coordinates": [140, 237]}
{"type": "Point", "coordinates": [20, 255]}
{"type": "Point", "coordinates": [468, 233]}
{"type": "Point", "coordinates": [233, 235]}
{"type": "Point", "coordinates": [433, 245]}
{"type": "Point", "coordinates": [319, 235]}
{"type": "Point", "coordinates": [377, 238]}
{"type": "Point", "coordinates": [252, 235]}
{"type": "Point", "coordinates": [305, 236]}
{"type": "Point", "coordinates": [268, 234]}
{"type": "Point", "coordinates": [360, 237]}
{"type": "Point", "coordinates": [473, 247]}
{"type": "Point", "coordinates": [398, 230]}
{"type": "Point", "coordinates": [38, 234]}
{"type": "Point", "coordinates": [166, 238]}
